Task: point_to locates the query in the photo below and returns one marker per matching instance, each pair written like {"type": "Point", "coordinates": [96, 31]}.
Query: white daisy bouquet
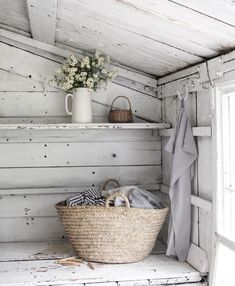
{"type": "Point", "coordinates": [91, 72]}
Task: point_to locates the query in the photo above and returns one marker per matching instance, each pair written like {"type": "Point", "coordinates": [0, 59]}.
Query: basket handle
{"type": "Point", "coordinates": [120, 97]}
{"type": "Point", "coordinates": [105, 183]}
{"type": "Point", "coordinates": [113, 196]}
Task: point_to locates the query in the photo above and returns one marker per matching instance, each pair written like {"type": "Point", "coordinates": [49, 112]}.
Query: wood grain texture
{"type": "Point", "coordinates": [80, 154]}
{"type": "Point", "coordinates": [77, 176]}
{"type": "Point", "coordinates": [42, 17]}
{"type": "Point", "coordinates": [156, 269]}
{"type": "Point", "coordinates": [35, 70]}
{"type": "Point", "coordinates": [170, 35]}
{"type": "Point", "coordinates": [14, 14]}
{"type": "Point", "coordinates": [127, 76]}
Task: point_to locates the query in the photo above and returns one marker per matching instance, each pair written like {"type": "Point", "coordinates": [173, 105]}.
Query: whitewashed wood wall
{"type": "Point", "coordinates": [39, 168]}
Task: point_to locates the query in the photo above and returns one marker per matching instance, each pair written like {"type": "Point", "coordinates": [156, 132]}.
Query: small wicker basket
{"type": "Point", "coordinates": [119, 115]}
{"type": "Point", "coordinates": [111, 234]}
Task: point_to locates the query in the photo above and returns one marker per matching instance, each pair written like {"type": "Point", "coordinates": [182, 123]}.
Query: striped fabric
{"type": "Point", "coordinates": [87, 197]}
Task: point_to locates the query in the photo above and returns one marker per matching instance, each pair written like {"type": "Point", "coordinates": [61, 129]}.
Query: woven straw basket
{"type": "Point", "coordinates": [111, 234]}
{"type": "Point", "coordinates": [120, 115]}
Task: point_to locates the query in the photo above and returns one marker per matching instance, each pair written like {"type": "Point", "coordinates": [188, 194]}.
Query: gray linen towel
{"type": "Point", "coordinates": [183, 148]}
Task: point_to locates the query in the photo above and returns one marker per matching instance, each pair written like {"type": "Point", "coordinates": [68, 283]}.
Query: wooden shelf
{"type": "Point", "coordinates": [34, 263]}
{"type": "Point", "coordinates": [87, 126]}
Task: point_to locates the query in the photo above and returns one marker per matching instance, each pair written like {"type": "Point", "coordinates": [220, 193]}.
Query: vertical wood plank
{"type": "Point", "coordinates": [42, 17]}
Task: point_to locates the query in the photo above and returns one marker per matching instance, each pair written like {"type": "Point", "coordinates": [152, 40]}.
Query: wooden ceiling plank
{"type": "Point", "coordinates": [199, 25]}
{"type": "Point", "coordinates": [219, 10]}
{"type": "Point", "coordinates": [42, 16]}
{"type": "Point", "coordinates": [83, 30]}
{"type": "Point", "coordinates": [14, 15]}
{"type": "Point", "coordinates": [138, 23]}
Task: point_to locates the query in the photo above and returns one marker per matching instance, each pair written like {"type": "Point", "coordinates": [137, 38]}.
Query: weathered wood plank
{"type": "Point", "coordinates": [158, 268]}
{"type": "Point", "coordinates": [31, 229]}
{"type": "Point", "coordinates": [77, 176]}
{"type": "Point", "coordinates": [80, 154]}
{"type": "Point", "coordinates": [35, 250]}
{"type": "Point", "coordinates": [162, 56]}
{"type": "Point", "coordinates": [68, 190]}
{"type": "Point", "coordinates": [28, 206]}
{"type": "Point", "coordinates": [59, 119]}
{"type": "Point", "coordinates": [197, 257]}
{"type": "Point", "coordinates": [42, 17]}
{"type": "Point", "coordinates": [86, 126]}
{"type": "Point", "coordinates": [43, 250]}
{"type": "Point", "coordinates": [220, 10]}
{"type": "Point", "coordinates": [14, 14]}
{"type": "Point", "coordinates": [126, 14]}
{"type": "Point", "coordinates": [78, 135]}
{"type": "Point", "coordinates": [12, 82]}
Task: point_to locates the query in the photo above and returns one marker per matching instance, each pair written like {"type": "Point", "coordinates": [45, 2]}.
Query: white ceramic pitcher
{"type": "Point", "coordinates": [81, 106]}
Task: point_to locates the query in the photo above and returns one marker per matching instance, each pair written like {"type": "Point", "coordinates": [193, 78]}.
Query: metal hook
{"type": "Point", "coordinates": [186, 92]}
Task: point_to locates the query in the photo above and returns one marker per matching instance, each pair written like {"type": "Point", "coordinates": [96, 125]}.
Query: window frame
{"type": "Point", "coordinates": [219, 93]}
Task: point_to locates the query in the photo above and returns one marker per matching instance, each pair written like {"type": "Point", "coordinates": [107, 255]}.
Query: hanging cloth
{"type": "Point", "coordinates": [183, 148]}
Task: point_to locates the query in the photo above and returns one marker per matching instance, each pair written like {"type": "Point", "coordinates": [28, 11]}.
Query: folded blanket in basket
{"type": "Point", "coordinates": [87, 197]}
{"type": "Point", "coordinates": [138, 198]}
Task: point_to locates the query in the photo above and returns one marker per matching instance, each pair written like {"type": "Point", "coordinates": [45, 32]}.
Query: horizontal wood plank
{"type": "Point", "coordinates": [44, 250]}
{"type": "Point", "coordinates": [77, 176]}
{"type": "Point", "coordinates": [86, 126]}
{"type": "Point", "coordinates": [31, 229]}
{"type": "Point", "coordinates": [65, 190]}
{"type": "Point", "coordinates": [80, 154]}
{"type": "Point", "coordinates": [78, 135]}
